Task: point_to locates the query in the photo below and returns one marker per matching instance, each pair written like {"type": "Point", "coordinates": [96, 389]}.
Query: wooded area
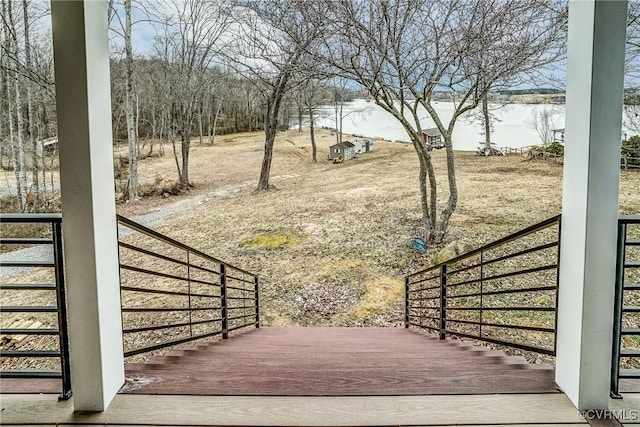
{"type": "Point", "coordinates": [183, 85]}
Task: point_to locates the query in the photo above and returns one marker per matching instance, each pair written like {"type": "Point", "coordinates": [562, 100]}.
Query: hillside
{"type": "Point", "coordinates": [332, 243]}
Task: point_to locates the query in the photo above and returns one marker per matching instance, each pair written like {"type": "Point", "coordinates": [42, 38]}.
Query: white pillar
{"type": "Point", "coordinates": [88, 209]}
{"type": "Point", "coordinates": [590, 199]}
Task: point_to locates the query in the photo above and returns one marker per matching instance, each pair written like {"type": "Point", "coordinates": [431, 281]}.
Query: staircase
{"type": "Point", "coordinates": [337, 362]}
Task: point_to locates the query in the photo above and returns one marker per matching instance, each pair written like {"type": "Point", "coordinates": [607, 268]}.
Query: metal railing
{"type": "Point", "coordinates": [503, 293]}
{"type": "Point", "coordinates": [172, 293]}
{"type": "Point", "coordinates": [625, 360]}
{"type": "Point", "coordinates": [38, 310]}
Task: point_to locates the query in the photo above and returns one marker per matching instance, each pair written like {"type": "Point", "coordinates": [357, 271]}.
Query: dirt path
{"type": "Point", "coordinates": [154, 217]}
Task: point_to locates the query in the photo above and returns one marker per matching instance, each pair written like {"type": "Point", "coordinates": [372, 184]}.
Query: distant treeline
{"type": "Point", "coordinates": [531, 91]}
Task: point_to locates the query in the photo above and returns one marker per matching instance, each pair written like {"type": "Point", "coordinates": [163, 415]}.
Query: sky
{"type": "Point", "coordinates": [144, 32]}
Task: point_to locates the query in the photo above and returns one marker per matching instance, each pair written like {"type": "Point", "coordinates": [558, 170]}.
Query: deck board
{"type": "Point", "coordinates": [337, 362]}
{"type": "Point", "coordinates": [30, 385]}
{"type": "Point", "coordinates": [504, 410]}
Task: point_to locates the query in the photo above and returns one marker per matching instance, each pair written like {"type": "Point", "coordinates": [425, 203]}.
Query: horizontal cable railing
{"type": "Point", "coordinates": [34, 340]}
{"type": "Point", "coordinates": [503, 293]}
{"type": "Point", "coordinates": [172, 293]}
{"type": "Point", "coordinates": [625, 360]}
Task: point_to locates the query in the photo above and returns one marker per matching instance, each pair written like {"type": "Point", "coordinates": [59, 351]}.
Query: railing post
{"type": "Point", "coordinates": [257, 301]}
{"type": "Point", "coordinates": [223, 300]}
{"type": "Point", "coordinates": [443, 301]}
{"type": "Point", "coordinates": [58, 261]}
{"type": "Point", "coordinates": [406, 302]}
{"type": "Point", "coordinates": [189, 292]}
{"type": "Point", "coordinates": [481, 291]}
{"type": "Point", "coordinates": [617, 311]}
{"type": "Point", "coordinates": [555, 321]}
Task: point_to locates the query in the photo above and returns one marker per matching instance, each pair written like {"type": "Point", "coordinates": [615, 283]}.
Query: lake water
{"type": "Point", "coordinates": [512, 127]}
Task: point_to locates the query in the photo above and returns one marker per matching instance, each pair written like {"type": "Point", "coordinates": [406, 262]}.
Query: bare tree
{"type": "Point", "coordinates": [36, 147]}
{"type": "Point", "coordinates": [5, 142]}
{"type": "Point", "coordinates": [401, 51]}
{"type": "Point", "coordinates": [26, 81]}
{"type": "Point", "coordinates": [542, 121]}
{"type": "Point", "coordinates": [132, 188]}
{"type": "Point", "coordinates": [187, 45]}
{"type": "Point", "coordinates": [486, 119]}
{"type": "Point", "coordinates": [273, 39]}
{"type": "Point", "coordinates": [313, 96]}
{"type": "Point", "coordinates": [632, 69]}
{"type": "Point", "coordinates": [124, 28]}
{"type": "Point", "coordinates": [14, 101]}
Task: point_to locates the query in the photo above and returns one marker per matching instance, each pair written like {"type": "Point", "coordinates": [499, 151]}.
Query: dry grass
{"type": "Point", "coordinates": [332, 242]}
{"type": "Point", "coordinates": [365, 211]}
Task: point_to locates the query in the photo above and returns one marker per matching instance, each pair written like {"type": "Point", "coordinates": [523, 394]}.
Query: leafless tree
{"type": "Point", "coordinates": [401, 51]}
{"type": "Point", "coordinates": [13, 99]}
{"type": "Point", "coordinates": [124, 29]}
{"type": "Point", "coordinates": [313, 95]}
{"type": "Point", "coordinates": [26, 97]}
{"type": "Point", "coordinates": [187, 46]}
{"type": "Point", "coordinates": [36, 146]}
{"type": "Point", "coordinates": [632, 69]}
{"type": "Point", "coordinates": [272, 40]}
{"type": "Point", "coordinates": [542, 121]}
{"type": "Point", "coordinates": [486, 118]}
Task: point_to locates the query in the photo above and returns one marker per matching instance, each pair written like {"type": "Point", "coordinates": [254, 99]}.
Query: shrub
{"type": "Point", "coordinates": [159, 187]}
{"type": "Point", "coordinates": [555, 148]}
{"type": "Point", "coordinates": [631, 150]}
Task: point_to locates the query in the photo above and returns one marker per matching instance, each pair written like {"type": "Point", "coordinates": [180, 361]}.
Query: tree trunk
{"type": "Point", "coordinates": [300, 114]}
{"type": "Point", "coordinates": [171, 138]}
{"type": "Point", "coordinates": [335, 110]}
{"type": "Point", "coordinates": [186, 144]}
{"type": "Point", "coordinates": [210, 119]}
{"type": "Point", "coordinates": [452, 201]}
{"type": "Point", "coordinates": [424, 198]}
{"type": "Point", "coordinates": [153, 124]}
{"type": "Point", "coordinates": [270, 128]}
{"type": "Point", "coordinates": [428, 189]}
{"type": "Point", "coordinates": [314, 149]}
{"type": "Point", "coordinates": [35, 146]}
{"type": "Point", "coordinates": [17, 153]}
{"type": "Point", "coordinates": [43, 160]}
{"type": "Point", "coordinates": [200, 134]}
{"type": "Point", "coordinates": [21, 172]}
{"type": "Point", "coordinates": [215, 123]}
{"type": "Point", "coordinates": [341, 107]}
{"type": "Point", "coordinates": [487, 125]}
{"type": "Point", "coordinates": [4, 93]}
{"type": "Point", "coordinates": [132, 189]}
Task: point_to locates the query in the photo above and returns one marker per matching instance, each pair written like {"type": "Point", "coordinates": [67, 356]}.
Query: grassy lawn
{"type": "Point", "coordinates": [331, 244]}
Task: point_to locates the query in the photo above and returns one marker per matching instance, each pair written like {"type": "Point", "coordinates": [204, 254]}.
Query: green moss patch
{"type": "Point", "coordinates": [273, 240]}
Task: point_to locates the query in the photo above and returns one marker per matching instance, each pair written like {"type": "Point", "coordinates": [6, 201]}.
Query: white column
{"type": "Point", "coordinates": [590, 199]}
{"type": "Point", "coordinates": [88, 209]}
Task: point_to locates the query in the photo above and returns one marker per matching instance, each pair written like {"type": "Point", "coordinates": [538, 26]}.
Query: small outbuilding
{"type": "Point", "coordinates": [345, 150]}
{"type": "Point", "coordinates": [362, 145]}
{"type": "Point", "coordinates": [432, 138]}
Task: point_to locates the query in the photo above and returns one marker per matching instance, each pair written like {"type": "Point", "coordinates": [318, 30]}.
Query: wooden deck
{"type": "Point", "coordinates": [536, 410]}
{"type": "Point", "coordinates": [323, 377]}
{"type": "Point", "coordinates": [337, 362]}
